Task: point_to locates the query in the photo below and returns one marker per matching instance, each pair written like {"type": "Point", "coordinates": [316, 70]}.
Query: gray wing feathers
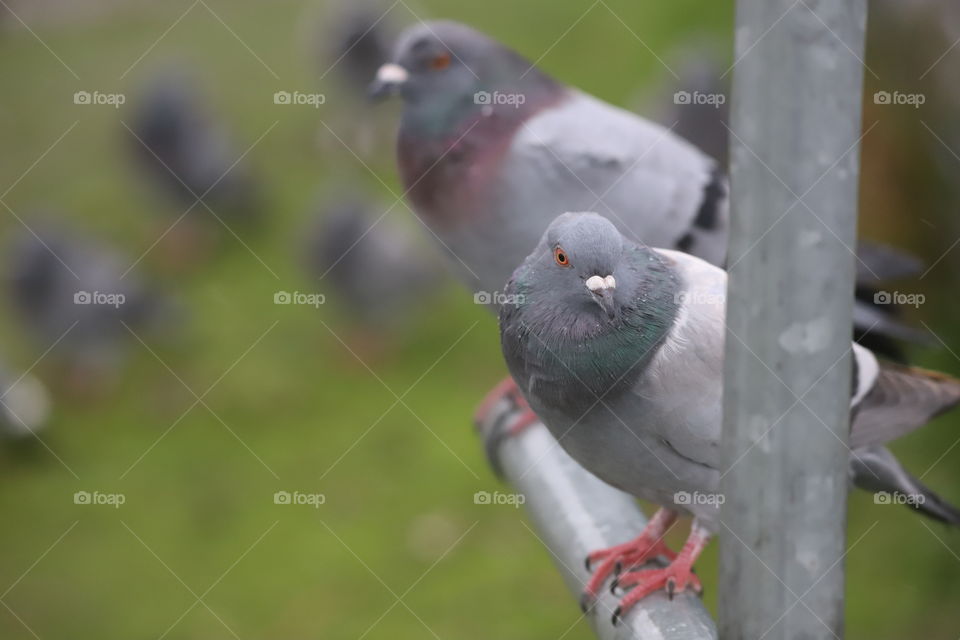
{"type": "Point", "coordinates": [650, 182]}
{"type": "Point", "coordinates": [902, 399]}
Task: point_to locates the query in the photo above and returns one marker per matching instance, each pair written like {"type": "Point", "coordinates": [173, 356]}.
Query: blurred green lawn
{"type": "Point", "coordinates": [199, 520]}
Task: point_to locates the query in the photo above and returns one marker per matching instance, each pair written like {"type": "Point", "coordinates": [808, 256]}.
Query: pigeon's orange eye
{"type": "Point", "coordinates": [561, 257]}
{"type": "Point", "coordinates": [440, 61]}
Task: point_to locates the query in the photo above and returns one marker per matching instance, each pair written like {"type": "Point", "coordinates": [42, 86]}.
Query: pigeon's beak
{"type": "Point", "coordinates": [390, 77]}
{"type": "Point", "coordinates": [602, 288]}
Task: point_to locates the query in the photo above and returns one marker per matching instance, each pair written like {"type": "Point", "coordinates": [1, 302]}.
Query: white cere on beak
{"type": "Point", "coordinates": [392, 73]}
{"type": "Point", "coordinates": [596, 283]}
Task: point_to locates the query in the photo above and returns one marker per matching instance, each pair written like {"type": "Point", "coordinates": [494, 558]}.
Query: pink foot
{"type": "Point", "coordinates": [675, 578]}
{"type": "Point", "coordinates": [648, 545]}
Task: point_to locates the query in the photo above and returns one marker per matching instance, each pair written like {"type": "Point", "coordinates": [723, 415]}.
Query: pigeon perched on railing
{"type": "Point", "coordinates": [619, 349]}
{"type": "Point", "coordinates": [73, 295]}
{"type": "Point", "coordinates": [490, 148]}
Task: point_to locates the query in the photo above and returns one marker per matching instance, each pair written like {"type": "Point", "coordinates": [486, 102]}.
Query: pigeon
{"type": "Point", "coordinates": [696, 104]}
{"type": "Point", "coordinates": [601, 334]}
{"type": "Point", "coordinates": [189, 155]}
{"type": "Point", "coordinates": [356, 44]}
{"type": "Point", "coordinates": [71, 293]}
{"type": "Point", "coordinates": [24, 405]}
{"type": "Point", "coordinates": [490, 148]}
{"type": "Point", "coordinates": [375, 266]}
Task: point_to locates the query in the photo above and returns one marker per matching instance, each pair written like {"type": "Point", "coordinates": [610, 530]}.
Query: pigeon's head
{"type": "Point", "coordinates": [577, 263]}
{"type": "Point", "coordinates": [444, 69]}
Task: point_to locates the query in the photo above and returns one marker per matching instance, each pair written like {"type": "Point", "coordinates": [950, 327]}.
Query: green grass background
{"type": "Point", "coordinates": [399, 510]}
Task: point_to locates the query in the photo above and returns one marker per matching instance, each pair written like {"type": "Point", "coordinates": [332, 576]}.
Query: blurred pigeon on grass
{"type": "Point", "coordinates": [187, 154]}
{"type": "Point", "coordinates": [490, 148]}
{"type": "Point", "coordinates": [24, 405]}
{"type": "Point", "coordinates": [619, 349]}
{"type": "Point", "coordinates": [377, 270]}
{"type": "Point", "coordinates": [354, 43]}
{"type": "Point", "coordinates": [72, 294]}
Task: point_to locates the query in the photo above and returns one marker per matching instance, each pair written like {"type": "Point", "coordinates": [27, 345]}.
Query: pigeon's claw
{"type": "Point", "coordinates": [647, 546]}
{"type": "Point", "coordinates": [503, 414]}
{"type": "Point", "coordinates": [675, 578]}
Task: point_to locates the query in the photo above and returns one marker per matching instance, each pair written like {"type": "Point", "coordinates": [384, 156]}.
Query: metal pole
{"type": "Point", "coordinates": [574, 513]}
{"type": "Point", "coordinates": [794, 171]}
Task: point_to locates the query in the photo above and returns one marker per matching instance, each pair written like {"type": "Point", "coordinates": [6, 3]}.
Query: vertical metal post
{"type": "Point", "coordinates": [794, 170]}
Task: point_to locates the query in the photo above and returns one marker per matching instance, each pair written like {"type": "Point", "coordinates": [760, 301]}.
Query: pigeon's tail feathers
{"type": "Point", "coordinates": [879, 262]}
{"type": "Point", "coordinates": [878, 326]}
{"type": "Point", "coordinates": [878, 319]}
{"type": "Point", "coordinates": [875, 469]}
{"type": "Point", "coordinates": [902, 399]}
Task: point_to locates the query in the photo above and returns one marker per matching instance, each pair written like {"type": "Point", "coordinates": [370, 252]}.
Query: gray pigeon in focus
{"type": "Point", "coordinates": [375, 266]}
{"type": "Point", "coordinates": [594, 315]}
{"type": "Point", "coordinates": [490, 148]}
{"type": "Point", "coordinates": [70, 291]}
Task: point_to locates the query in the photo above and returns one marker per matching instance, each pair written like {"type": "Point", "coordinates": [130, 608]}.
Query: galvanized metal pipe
{"type": "Point", "coordinates": [794, 172]}
{"type": "Point", "coordinates": [575, 513]}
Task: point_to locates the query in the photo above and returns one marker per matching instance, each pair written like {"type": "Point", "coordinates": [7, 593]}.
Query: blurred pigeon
{"type": "Point", "coordinates": [356, 43]}
{"type": "Point", "coordinates": [189, 155]}
{"type": "Point", "coordinates": [24, 405]}
{"type": "Point", "coordinates": [375, 266]}
{"type": "Point", "coordinates": [697, 105]}
{"type": "Point", "coordinates": [597, 316]}
{"type": "Point", "coordinates": [490, 148]}
{"type": "Point", "coordinates": [72, 295]}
